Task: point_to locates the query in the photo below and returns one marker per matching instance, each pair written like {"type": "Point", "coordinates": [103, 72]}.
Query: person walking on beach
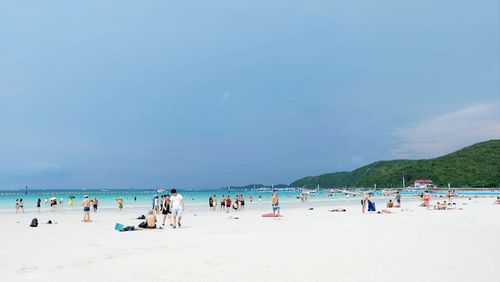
{"type": "Point", "coordinates": [177, 207]}
{"type": "Point", "coordinates": [120, 203]}
{"type": "Point", "coordinates": [86, 209]}
{"type": "Point", "coordinates": [17, 205]}
{"type": "Point", "coordinates": [21, 206]}
{"type": "Point", "coordinates": [427, 199]}
{"type": "Point", "coordinates": [398, 198]}
{"type": "Point", "coordinates": [94, 204]}
{"type": "Point", "coordinates": [166, 208]}
{"type": "Point", "coordinates": [275, 204]}
{"type": "Point", "coordinates": [38, 203]}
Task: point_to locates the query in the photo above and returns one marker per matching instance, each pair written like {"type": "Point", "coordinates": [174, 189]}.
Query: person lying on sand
{"type": "Point", "coordinates": [497, 202]}
{"type": "Point", "coordinates": [338, 210]}
{"type": "Point", "coordinates": [384, 211]}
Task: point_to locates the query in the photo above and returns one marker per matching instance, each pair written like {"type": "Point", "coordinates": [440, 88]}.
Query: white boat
{"type": "Point", "coordinates": [350, 192]}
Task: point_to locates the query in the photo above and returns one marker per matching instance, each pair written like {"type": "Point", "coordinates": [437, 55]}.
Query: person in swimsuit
{"type": "Point", "coordinates": [390, 204]}
{"type": "Point", "coordinates": [17, 205]}
{"type": "Point", "coordinates": [166, 208]}
{"type": "Point", "coordinates": [497, 202]}
{"type": "Point", "coordinates": [95, 202]}
{"type": "Point", "coordinates": [151, 220]}
{"type": "Point", "coordinates": [275, 204]}
{"type": "Point", "coordinates": [228, 203]}
{"type": "Point", "coordinates": [364, 203]}
{"type": "Point", "coordinates": [38, 203]}
{"type": "Point", "coordinates": [86, 209]}
{"type": "Point", "coordinates": [222, 203]}
{"type": "Point", "coordinates": [398, 198]}
{"type": "Point", "coordinates": [427, 199]}
{"type": "Point", "coordinates": [21, 206]}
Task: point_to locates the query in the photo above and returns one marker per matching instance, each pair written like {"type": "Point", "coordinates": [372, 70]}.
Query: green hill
{"type": "Point", "coordinates": [474, 166]}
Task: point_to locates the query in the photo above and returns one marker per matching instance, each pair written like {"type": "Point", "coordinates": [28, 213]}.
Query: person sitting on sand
{"type": "Point", "coordinates": [497, 202]}
{"type": "Point", "coordinates": [390, 204]}
{"type": "Point", "coordinates": [440, 206]}
{"type": "Point", "coordinates": [150, 222]}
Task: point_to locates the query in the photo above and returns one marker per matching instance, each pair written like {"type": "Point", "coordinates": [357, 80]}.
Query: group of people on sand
{"type": "Point", "coordinates": [19, 206]}
{"type": "Point", "coordinates": [170, 206]}
{"type": "Point", "coordinates": [368, 205]}
{"type": "Point", "coordinates": [226, 204]}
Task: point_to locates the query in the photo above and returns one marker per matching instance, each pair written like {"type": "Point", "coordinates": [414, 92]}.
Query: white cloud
{"type": "Point", "coordinates": [448, 132]}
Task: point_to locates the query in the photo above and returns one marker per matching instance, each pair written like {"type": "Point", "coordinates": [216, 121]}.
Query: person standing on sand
{"type": "Point", "coordinates": [166, 208]}
{"type": "Point", "coordinates": [398, 198]}
{"type": "Point", "coordinates": [228, 204]}
{"type": "Point", "coordinates": [38, 203]}
{"type": "Point", "coordinates": [427, 199]}
{"type": "Point", "coordinates": [21, 206]}
{"type": "Point", "coordinates": [86, 209]}
{"type": "Point", "coordinates": [222, 203]}
{"type": "Point", "coordinates": [177, 207]}
{"type": "Point", "coordinates": [364, 202]}
{"type": "Point", "coordinates": [17, 205]}
{"type": "Point", "coordinates": [120, 203]}
{"type": "Point", "coordinates": [275, 204]}
{"type": "Point", "coordinates": [95, 203]}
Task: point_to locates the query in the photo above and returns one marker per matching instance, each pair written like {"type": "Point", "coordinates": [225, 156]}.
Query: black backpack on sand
{"type": "Point", "coordinates": [34, 222]}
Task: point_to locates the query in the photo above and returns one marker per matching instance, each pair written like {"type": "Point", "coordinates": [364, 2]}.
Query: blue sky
{"type": "Point", "coordinates": [122, 94]}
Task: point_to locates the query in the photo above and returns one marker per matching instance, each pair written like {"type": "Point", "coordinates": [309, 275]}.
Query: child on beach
{"type": "Point", "coordinates": [275, 204]}
{"type": "Point", "coordinates": [497, 202]}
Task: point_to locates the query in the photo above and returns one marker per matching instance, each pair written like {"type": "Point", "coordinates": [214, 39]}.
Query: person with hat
{"type": "Point", "coordinates": [86, 209]}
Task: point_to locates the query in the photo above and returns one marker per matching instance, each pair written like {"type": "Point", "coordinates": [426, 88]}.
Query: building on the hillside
{"type": "Point", "coordinates": [423, 183]}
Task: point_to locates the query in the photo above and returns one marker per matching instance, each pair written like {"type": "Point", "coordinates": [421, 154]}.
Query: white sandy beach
{"type": "Point", "coordinates": [304, 245]}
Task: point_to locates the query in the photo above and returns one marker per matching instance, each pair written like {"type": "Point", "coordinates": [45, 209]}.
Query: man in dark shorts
{"type": "Point", "coordinates": [86, 209]}
{"type": "Point", "coordinates": [223, 203]}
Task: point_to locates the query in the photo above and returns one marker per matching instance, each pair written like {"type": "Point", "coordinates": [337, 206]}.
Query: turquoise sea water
{"type": "Point", "coordinates": [144, 198]}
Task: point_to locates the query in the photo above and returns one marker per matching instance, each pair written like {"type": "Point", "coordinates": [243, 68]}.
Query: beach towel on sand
{"type": "Point", "coordinates": [371, 206]}
{"type": "Point", "coordinates": [122, 228]}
